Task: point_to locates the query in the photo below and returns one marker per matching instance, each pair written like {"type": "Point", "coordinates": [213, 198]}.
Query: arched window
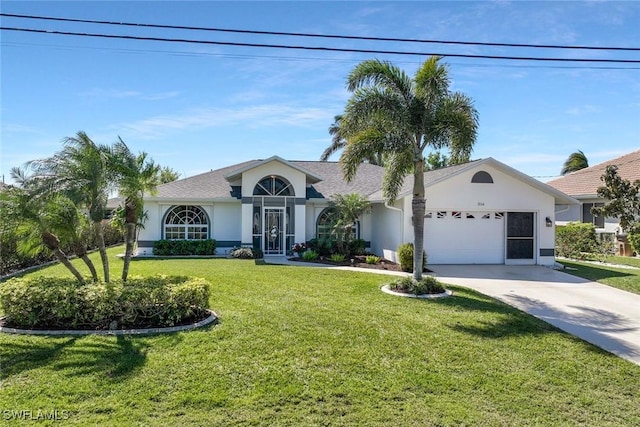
{"type": "Point", "coordinates": [273, 186]}
{"type": "Point", "coordinates": [482, 177]}
{"type": "Point", "coordinates": [186, 223]}
{"type": "Point", "coordinates": [324, 225]}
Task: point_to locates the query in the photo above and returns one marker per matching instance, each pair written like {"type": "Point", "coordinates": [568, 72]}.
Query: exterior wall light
{"type": "Point", "coordinates": [548, 221]}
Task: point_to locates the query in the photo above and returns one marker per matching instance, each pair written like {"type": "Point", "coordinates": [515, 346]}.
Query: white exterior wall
{"type": "Point", "coordinates": [155, 222]}
{"type": "Point", "coordinates": [388, 230]}
{"type": "Point", "coordinates": [296, 178]}
{"type": "Point", "coordinates": [506, 194]}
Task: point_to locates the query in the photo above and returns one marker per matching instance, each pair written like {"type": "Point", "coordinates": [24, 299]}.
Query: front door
{"type": "Point", "coordinates": [274, 228]}
{"type": "Point", "coordinates": [520, 238]}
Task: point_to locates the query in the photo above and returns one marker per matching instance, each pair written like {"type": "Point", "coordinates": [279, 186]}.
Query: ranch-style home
{"type": "Point", "coordinates": [481, 212]}
{"type": "Point", "coordinates": [583, 186]}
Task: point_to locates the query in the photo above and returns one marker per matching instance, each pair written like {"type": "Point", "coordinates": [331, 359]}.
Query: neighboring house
{"type": "Point", "coordinates": [482, 212]}
{"type": "Point", "coordinates": [583, 185]}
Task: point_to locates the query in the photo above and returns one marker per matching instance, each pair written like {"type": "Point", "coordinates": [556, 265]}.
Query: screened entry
{"type": "Point", "coordinates": [273, 215]}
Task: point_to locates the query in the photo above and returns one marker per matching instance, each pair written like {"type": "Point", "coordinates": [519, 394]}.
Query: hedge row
{"type": "Point", "coordinates": [141, 302]}
{"type": "Point", "coordinates": [184, 247]}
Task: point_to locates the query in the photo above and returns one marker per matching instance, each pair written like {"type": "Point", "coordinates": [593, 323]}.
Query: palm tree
{"type": "Point", "coordinates": [338, 142]}
{"type": "Point", "coordinates": [405, 116]}
{"type": "Point", "coordinates": [33, 216]}
{"type": "Point", "coordinates": [81, 171]}
{"type": "Point", "coordinates": [575, 162]}
{"type": "Point", "coordinates": [136, 174]}
{"type": "Point", "coordinates": [348, 209]}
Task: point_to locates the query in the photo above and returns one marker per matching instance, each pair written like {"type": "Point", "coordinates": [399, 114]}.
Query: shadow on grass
{"type": "Point", "coordinates": [24, 355]}
{"type": "Point", "coordinates": [594, 272]}
{"type": "Point", "coordinates": [114, 357]}
{"type": "Point", "coordinates": [595, 326]}
{"type": "Point", "coordinates": [511, 321]}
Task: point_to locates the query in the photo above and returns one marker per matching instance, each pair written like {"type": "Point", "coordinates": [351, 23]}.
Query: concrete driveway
{"type": "Point", "coordinates": [602, 315]}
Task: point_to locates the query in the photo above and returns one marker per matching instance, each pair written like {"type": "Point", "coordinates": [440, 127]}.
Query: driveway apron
{"type": "Point", "coordinates": [602, 315]}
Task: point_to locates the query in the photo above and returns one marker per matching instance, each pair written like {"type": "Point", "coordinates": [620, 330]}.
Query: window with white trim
{"type": "Point", "coordinates": [186, 223]}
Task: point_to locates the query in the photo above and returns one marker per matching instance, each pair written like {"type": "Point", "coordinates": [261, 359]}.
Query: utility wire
{"type": "Point", "coordinates": [317, 48]}
{"type": "Point", "coordinates": [328, 36]}
{"type": "Point", "coordinates": [315, 58]}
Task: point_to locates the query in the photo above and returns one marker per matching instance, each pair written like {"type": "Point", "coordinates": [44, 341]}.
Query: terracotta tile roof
{"type": "Point", "coordinates": [585, 182]}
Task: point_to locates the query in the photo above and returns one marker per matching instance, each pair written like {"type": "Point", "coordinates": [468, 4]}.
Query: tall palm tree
{"type": "Point", "coordinates": [81, 171]}
{"type": "Point", "coordinates": [136, 175]}
{"type": "Point", "coordinates": [405, 116]}
{"type": "Point", "coordinates": [574, 162]}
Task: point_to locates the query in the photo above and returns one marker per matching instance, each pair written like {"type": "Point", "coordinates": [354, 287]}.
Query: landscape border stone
{"type": "Point", "coordinates": [148, 331]}
{"type": "Point", "coordinates": [387, 290]}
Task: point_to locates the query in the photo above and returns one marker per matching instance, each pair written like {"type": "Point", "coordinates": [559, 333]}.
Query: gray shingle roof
{"type": "Point", "coordinates": [213, 184]}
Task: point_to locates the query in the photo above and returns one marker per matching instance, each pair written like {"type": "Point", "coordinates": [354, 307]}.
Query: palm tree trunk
{"type": "Point", "coordinates": [52, 243]}
{"type": "Point", "coordinates": [417, 210]}
{"type": "Point", "coordinates": [128, 253]}
{"type": "Point", "coordinates": [102, 249]}
{"type": "Point", "coordinates": [90, 266]}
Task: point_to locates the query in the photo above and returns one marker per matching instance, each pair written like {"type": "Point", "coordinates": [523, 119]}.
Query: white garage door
{"type": "Point", "coordinates": [454, 237]}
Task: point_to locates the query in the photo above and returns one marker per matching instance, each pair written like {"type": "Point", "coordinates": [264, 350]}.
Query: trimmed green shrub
{"type": "Point", "coordinates": [428, 285]}
{"type": "Point", "coordinates": [184, 247]}
{"type": "Point", "coordinates": [357, 247]}
{"type": "Point", "coordinates": [141, 302]}
{"type": "Point", "coordinates": [575, 240]}
{"type": "Point", "coordinates": [405, 256]}
{"type": "Point", "coordinates": [324, 246]}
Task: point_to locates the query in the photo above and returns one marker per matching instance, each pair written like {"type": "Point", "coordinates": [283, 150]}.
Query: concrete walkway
{"type": "Point", "coordinates": [602, 315]}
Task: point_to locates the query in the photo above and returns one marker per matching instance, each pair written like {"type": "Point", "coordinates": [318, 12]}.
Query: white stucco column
{"type": "Point", "coordinates": [300, 223]}
{"type": "Point", "coordinates": [246, 224]}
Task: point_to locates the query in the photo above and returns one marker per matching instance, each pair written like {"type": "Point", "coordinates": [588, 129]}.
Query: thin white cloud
{"type": "Point", "coordinates": [204, 118]}
{"type": "Point", "coordinates": [583, 109]}
{"type": "Point", "coordinates": [121, 94]}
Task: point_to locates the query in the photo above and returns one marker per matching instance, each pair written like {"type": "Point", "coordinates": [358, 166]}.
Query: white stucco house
{"type": "Point", "coordinates": [481, 212]}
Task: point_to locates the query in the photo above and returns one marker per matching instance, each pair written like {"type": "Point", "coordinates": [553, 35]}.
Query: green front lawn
{"type": "Point", "coordinates": [306, 346]}
{"type": "Point", "coordinates": [627, 279]}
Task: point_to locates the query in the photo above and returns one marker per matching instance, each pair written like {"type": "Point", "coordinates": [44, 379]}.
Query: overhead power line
{"type": "Point", "coordinates": [318, 48]}
{"type": "Point", "coordinates": [328, 36]}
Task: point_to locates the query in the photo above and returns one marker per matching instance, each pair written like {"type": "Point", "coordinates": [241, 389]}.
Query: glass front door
{"type": "Point", "coordinates": [274, 229]}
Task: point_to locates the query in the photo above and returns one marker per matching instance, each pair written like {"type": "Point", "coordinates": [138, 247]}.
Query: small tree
{"type": "Point", "coordinates": [348, 209]}
{"type": "Point", "coordinates": [623, 201]}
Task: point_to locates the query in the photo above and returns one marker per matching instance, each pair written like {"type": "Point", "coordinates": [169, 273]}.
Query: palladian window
{"type": "Point", "coordinates": [186, 223]}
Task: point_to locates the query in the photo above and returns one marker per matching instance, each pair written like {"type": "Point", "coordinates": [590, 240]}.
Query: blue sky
{"type": "Point", "coordinates": [201, 107]}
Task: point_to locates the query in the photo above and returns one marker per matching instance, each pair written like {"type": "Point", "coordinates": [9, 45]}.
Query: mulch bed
{"type": "Point", "coordinates": [359, 261]}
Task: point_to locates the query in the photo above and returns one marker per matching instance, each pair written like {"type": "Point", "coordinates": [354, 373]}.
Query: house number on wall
{"type": "Point", "coordinates": [480, 203]}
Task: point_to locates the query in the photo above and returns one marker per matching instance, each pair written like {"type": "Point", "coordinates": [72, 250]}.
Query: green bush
{"type": "Point", "coordinates": [428, 285]}
{"type": "Point", "coordinates": [310, 255]}
{"type": "Point", "coordinates": [357, 247]}
{"type": "Point", "coordinates": [324, 246]}
{"type": "Point", "coordinates": [575, 240]}
{"type": "Point", "coordinates": [633, 237]}
{"type": "Point", "coordinates": [141, 302]}
{"type": "Point", "coordinates": [372, 259]}
{"type": "Point", "coordinates": [405, 255]}
{"type": "Point", "coordinates": [184, 247]}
